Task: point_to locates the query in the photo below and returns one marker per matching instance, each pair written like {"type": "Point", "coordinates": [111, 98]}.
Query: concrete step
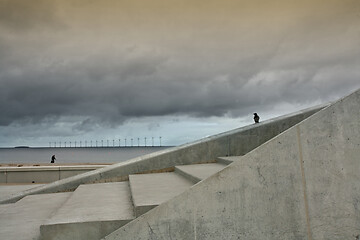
{"type": "Point", "coordinates": [22, 220]}
{"type": "Point", "coordinates": [227, 160]}
{"type": "Point", "coordinates": [150, 190]}
{"type": "Point", "coordinates": [198, 172]}
{"type": "Point", "coordinates": [92, 212]}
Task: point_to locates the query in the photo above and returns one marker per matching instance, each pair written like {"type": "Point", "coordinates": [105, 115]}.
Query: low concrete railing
{"type": "Point", "coordinates": [42, 174]}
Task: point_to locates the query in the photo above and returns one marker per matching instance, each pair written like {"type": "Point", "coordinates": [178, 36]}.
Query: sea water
{"type": "Point", "coordinates": [73, 155]}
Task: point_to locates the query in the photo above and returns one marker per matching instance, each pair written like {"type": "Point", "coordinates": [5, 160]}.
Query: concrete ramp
{"type": "Point", "coordinates": [302, 184]}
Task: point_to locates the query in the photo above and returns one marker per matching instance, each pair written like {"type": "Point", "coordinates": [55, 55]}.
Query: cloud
{"type": "Point", "coordinates": [106, 70]}
{"type": "Point", "coordinates": [24, 16]}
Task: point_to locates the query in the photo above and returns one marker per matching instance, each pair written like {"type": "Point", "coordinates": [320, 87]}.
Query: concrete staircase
{"type": "Point", "coordinates": [93, 211]}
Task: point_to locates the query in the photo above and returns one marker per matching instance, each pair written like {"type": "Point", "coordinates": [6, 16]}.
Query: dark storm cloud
{"type": "Point", "coordinates": [22, 15]}
{"type": "Point", "coordinates": [48, 72]}
{"type": "Point", "coordinates": [140, 89]}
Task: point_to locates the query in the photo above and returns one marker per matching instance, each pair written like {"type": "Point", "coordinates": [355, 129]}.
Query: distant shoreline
{"type": "Point", "coordinates": [71, 155]}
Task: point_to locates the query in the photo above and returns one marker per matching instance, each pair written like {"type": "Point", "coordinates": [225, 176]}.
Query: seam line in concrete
{"type": "Point", "coordinates": [303, 183]}
{"type": "Point", "coordinates": [194, 219]}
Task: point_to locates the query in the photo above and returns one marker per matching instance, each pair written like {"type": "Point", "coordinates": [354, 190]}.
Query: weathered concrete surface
{"type": "Point", "coordinates": [21, 220]}
{"type": "Point", "coordinates": [303, 184]}
{"type": "Point", "coordinates": [150, 190]}
{"type": "Point", "coordinates": [235, 142]}
{"type": "Point", "coordinates": [92, 212]}
{"type": "Point", "coordinates": [198, 172]}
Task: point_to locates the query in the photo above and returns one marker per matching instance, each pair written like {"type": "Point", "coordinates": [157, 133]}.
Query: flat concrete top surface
{"type": "Point", "coordinates": [201, 171]}
{"type": "Point", "coordinates": [22, 220]}
{"type": "Point", "coordinates": [7, 190]}
{"type": "Point", "coordinates": [96, 202]}
{"type": "Point", "coordinates": [156, 188]}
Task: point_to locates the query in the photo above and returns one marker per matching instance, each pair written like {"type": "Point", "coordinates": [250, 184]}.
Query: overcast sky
{"type": "Point", "coordinates": [181, 69]}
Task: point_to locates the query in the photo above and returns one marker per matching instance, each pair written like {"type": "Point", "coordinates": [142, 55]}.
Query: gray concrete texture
{"type": "Point", "coordinates": [21, 220]}
{"type": "Point", "coordinates": [235, 142]}
{"type": "Point", "coordinates": [91, 212]}
{"type": "Point", "coordinates": [303, 184]}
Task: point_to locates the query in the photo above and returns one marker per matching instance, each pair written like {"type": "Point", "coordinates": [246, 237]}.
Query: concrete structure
{"type": "Point", "coordinates": [42, 174]}
{"type": "Point", "coordinates": [302, 184]}
{"type": "Point", "coordinates": [294, 177]}
{"type": "Point", "coordinates": [235, 142]}
{"type": "Point", "coordinates": [93, 211]}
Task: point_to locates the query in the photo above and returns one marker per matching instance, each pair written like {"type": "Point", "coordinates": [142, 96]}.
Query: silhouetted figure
{"type": "Point", "coordinates": [256, 118]}
{"type": "Point", "coordinates": [53, 158]}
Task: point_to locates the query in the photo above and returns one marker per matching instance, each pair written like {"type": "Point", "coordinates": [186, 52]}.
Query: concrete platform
{"type": "Point", "coordinates": [91, 212]}
{"type": "Point", "coordinates": [198, 172]}
{"type": "Point", "coordinates": [21, 220]}
{"type": "Point", "coordinates": [150, 190]}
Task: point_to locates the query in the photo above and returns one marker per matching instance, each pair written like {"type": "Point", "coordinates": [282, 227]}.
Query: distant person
{"type": "Point", "coordinates": [256, 118]}
{"type": "Point", "coordinates": [53, 158]}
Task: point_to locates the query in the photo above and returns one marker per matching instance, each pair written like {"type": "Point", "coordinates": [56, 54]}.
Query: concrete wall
{"type": "Point", "coordinates": [235, 142]}
{"type": "Point", "coordinates": [42, 174]}
{"type": "Point", "coordinates": [303, 184]}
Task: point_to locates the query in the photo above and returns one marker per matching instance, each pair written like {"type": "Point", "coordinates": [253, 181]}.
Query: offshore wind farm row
{"type": "Point", "coordinates": [126, 142]}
